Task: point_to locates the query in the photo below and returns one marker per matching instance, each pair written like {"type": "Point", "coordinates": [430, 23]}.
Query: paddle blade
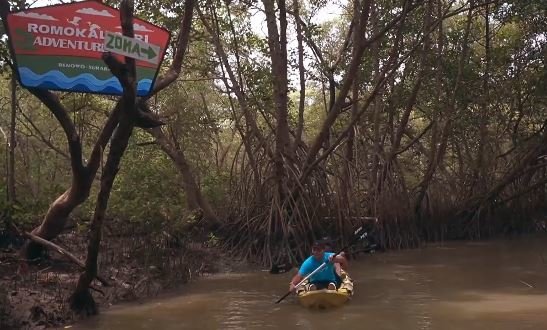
{"type": "Point", "coordinates": [357, 231]}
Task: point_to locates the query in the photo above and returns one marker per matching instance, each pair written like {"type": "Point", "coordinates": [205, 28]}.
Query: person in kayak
{"type": "Point", "coordinates": [323, 279]}
{"type": "Point", "coordinates": [337, 267]}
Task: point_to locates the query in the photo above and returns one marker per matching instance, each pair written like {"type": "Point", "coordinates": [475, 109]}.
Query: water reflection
{"type": "Point", "coordinates": [477, 285]}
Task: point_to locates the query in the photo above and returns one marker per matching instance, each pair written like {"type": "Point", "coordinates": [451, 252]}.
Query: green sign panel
{"type": "Point", "coordinates": [131, 47]}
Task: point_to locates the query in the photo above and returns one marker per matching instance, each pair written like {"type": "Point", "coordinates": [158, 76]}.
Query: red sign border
{"type": "Point", "coordinates": [14, 57]}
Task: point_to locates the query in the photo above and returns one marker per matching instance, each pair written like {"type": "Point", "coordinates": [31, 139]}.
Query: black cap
{"type": "Point", "coordinates": [327, 240]}
{"type": "Point", "coordinates": [323, 242]}
{"type": "Point", "coordinates": [318, 243]}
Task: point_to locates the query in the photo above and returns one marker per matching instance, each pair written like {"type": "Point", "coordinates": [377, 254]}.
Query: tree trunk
{"type": "Point", "coordinates": [346, 184]}
{"type": "Point", "coordinates": [235, 88]}
{"type": "Point", "coordinates": [277, 41]}
{"type": "Point", "coordinates": [251, 135]}
{"type": "Point", "coordinates": [376, 106]}
{"type": "Point", "coordinates": [386, 73]}
{"type": "Point", "coordinates": [12, 143]}
{"type": "Point", "coordinates": [403, 124]}
{"type": "Point", "coordinates": [194, 197]}
{"type": "Point", "coordinates": [350, 74]}
{"type": "Point", "coordinates": [302, 79]}
{"type": "Point", "coordinates": [82, 300]}
{"type": "Point", "coordinates": [82, 176]}
{"type": "Point", "coordinates": [479, 175]}
{"type": "Point", "coordinates": [437, 152]}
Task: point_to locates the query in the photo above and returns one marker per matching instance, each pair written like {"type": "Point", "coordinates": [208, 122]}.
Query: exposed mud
{"type": "Point", "coordinates": [137, 267]}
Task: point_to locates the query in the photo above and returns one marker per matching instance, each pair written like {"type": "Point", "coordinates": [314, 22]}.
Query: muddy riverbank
{"type": "Point", "coordinates": [135, 267]}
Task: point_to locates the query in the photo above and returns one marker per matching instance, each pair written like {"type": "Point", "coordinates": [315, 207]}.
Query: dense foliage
{"type": "Point", "coordinates": [441, 131]}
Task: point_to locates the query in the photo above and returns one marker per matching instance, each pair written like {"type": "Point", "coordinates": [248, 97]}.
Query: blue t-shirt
{"type": "Point", "coordinates": [325, 274]}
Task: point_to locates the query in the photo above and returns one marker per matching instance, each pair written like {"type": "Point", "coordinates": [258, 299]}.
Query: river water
{"type": "Point", "coordinates": [494, 285]}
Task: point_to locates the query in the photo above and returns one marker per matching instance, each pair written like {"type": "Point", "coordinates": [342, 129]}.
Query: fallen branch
{"type": "Point", "coordinates": [62, 251]}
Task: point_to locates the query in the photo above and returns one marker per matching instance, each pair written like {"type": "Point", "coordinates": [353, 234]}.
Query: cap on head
{"type": "Point", "coordinates": [325, 241]}
{"type": "Point", "coordinates": [318, 244]}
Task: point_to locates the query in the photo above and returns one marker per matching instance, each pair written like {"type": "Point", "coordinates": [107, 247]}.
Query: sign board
{"type": "Point", "coordinates": [131, 47]}
{"type": "Point", "coordinates": [60, 47]}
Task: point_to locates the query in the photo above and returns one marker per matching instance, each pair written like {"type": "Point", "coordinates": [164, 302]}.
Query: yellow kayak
{"type": "Point", "coordinates": [323, 299]}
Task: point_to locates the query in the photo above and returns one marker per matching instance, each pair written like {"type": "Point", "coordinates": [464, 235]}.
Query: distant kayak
{"type": "Point", "coordinates": [322, 299]}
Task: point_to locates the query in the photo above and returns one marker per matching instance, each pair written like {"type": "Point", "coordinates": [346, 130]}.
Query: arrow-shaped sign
{"type": "Point", "coordinates": [131, 47]}
{"type": "Point", "coordinates": [150, 51]}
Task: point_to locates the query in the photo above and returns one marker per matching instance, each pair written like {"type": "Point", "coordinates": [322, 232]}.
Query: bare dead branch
{"type": "Point", "coordinates": [63, 252]}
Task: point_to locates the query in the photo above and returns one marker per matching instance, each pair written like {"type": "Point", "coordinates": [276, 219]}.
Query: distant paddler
{"type": "Point", "coordinates": [324, 278]}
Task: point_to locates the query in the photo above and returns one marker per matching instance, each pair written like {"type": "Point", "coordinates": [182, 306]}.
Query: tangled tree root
{"type": "Point", "coordinates": [82, 302]}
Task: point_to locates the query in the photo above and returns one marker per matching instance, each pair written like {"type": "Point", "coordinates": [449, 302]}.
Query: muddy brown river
{"type": "Point", "coordinates": [493, 285]}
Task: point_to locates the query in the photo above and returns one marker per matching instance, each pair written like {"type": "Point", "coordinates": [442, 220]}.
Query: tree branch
{"type": "Point", "coordinates": [182, 44]}
{"type": "Point", "coordinates": [63, 252]}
